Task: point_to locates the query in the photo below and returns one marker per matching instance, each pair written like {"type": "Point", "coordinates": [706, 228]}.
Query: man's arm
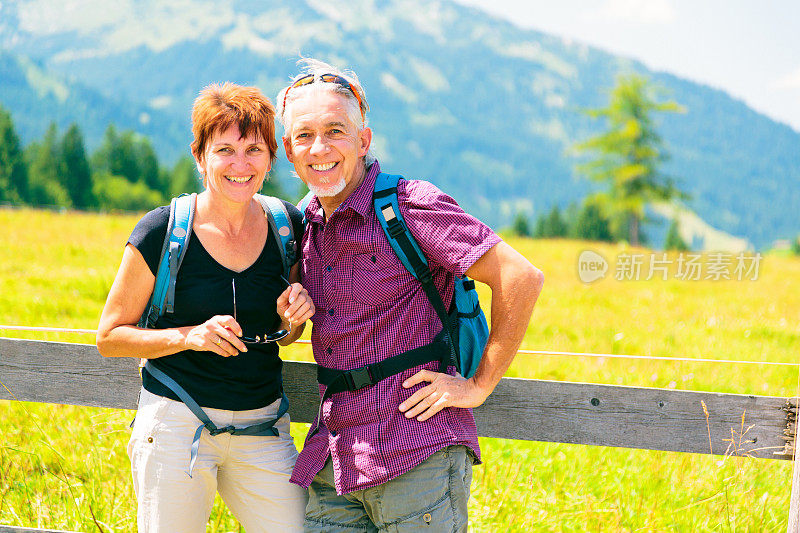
{"type": "Point", "coordinates": [515, 284]}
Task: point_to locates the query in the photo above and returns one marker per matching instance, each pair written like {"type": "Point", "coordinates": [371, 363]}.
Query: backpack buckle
{"type": "Point", "coordinates": [152, 316]}
{"type": "Point", "coordinates": [358, 378]}
{"type": "Point", "coordinates": [218, 431]}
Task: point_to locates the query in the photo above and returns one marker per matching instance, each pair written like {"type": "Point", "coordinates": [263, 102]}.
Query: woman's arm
{"type": "Point", "coordinates": [294, 307]}
{"type": "Point", "coordinates": [118, 335]}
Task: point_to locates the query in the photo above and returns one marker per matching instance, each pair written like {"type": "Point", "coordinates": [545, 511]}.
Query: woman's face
{"type": "Point", "coordinates": [234, 167]}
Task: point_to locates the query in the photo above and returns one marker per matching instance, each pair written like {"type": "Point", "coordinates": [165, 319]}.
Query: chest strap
{"type": "Point", "coordinates": [352, 380]}
{"type": "Point", "coordinates": [261, 429]}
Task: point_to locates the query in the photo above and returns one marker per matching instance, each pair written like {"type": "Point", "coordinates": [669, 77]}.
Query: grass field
{"type": "Point", "coordinates": [65, 467]}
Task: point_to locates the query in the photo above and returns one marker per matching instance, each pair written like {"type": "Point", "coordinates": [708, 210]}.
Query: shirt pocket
{"type": "Point", "coordinates": [375, 279]}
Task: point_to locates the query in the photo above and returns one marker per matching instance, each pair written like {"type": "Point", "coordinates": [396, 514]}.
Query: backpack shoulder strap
{"type": "Point", "coordinates": [304, 204]}
{"type": "Point", "coordinates": [179, 228]}
{"type": "Point", "coordinates": [280, 226]}
{"type": "Point", "coordinates": [402, 241]}
{"type": "Point", "coordinates": [387, 209]}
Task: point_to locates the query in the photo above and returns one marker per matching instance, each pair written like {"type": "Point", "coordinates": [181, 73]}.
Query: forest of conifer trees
{"type": "Point", "coordinates": [123, 173]}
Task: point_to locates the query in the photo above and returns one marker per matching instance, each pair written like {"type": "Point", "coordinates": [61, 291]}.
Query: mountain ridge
{"type": "Point", "coordinates": [481, 107]}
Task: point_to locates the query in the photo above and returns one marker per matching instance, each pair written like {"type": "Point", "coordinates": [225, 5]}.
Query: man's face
{"type": "Point", "coordinates": [325, 146]}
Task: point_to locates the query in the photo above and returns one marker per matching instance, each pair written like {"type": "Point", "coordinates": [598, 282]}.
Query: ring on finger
{"type": "Point", "coordinates": [218, 341]}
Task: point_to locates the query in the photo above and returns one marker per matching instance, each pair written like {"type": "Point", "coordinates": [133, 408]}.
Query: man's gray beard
{"type": "Point", "coordinates": [328, 191]}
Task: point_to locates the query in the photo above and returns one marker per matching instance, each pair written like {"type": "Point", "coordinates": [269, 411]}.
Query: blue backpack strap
{"type": "Point", "coordinates": [179, 228]}
{"type": "Point", "coordinates": [387, 209]}
{"type": "Point", "coordinates": [280, 225]}
{"type": "Point", "coordinates": [262, 429]}
{"type": "Point", "coordinates": [303, 205]}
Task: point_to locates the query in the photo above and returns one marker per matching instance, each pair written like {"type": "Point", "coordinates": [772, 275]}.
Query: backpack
{"type": "Point", "coordinates": [465, 324]}
{"type": "Point", "coordinates": [179, 228]}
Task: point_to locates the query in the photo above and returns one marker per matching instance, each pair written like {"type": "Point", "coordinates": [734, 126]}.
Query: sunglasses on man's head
{"type": "Point", "coordinates": [326, 78]}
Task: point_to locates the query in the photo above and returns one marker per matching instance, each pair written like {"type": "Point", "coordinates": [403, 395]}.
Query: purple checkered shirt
{"type": "Point", "coordinates": [369, 308]}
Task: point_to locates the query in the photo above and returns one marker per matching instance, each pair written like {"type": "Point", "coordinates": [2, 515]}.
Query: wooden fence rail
{"type": "Point", "coordinates": [526, 409]}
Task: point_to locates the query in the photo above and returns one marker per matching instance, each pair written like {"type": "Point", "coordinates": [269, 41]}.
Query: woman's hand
{"type": "Point", "coordinates": [219, 334]}
{"type": "Point", "coordinates": [294, 305]}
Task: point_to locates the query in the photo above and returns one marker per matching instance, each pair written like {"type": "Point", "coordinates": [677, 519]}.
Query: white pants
{"type": "Point", "coordinates": [250, 473]}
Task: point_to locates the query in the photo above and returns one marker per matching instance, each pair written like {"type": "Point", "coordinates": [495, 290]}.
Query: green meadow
{"type": "Point", "coordinates": [65, 467]}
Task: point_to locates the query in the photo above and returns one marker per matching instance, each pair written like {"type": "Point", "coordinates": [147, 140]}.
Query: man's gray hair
{"type": "Point", "coordinates": [309, 65]}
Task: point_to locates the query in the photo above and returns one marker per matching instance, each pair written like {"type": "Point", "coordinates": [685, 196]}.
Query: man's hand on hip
{"type": "Point", "coordinates": [444, 391]}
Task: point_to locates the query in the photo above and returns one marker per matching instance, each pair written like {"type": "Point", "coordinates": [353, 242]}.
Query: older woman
{"type": "Point", "coordinates": [231, 271]}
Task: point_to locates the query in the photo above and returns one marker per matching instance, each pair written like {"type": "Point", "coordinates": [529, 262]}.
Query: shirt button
{"type": "Point", "coordinates": [330, 312]}
{"type": "Point", "coordinates": [427, 517]}
{"type": "Point", "coordinates": [329, 350]}
{"type": "Point", "coordinates": [333, 433]}
{"type": "Point", "coordinates": [150, 439]}
{"type": "Point", "coordinates": [328, 268]}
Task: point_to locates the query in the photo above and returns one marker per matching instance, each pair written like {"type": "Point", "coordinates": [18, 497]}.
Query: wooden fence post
{"type": "Point", "coordinates": [793, 525]}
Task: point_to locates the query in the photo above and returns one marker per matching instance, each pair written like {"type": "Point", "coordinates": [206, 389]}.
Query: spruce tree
{"type": "Point", "coordinates": [555, 226]}
{"type": "Point", "coordinates": [124, 159]}
{"type": "Point", "coordinates": [45, 169]}
{"type": "Point", "coordinates": [674, 240]}
{"type": "Point", "coordinates": [540, 229]}
{"type": "Point", "coordinates": [551, 225]}
{"type": "Point", "coordinates": [591, 225]}
{"type": "Point", "coordinates": [147, 164]}
{"type": "Point", "coordinates": [118, 155]}
{"type": "Point", "coordinates": [13, 171]}
{"type": "Point", "coordinates": [77, 177]}
{"type": "Point", "coordinates": [520, 225]}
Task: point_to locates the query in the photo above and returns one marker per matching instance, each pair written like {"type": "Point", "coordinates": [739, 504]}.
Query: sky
{"type": "Point", "coordinates": [748, 48]}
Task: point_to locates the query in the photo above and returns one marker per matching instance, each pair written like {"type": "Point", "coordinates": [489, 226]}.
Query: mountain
{"type": "Point", "coordinates": [486, 110]}
{"type": "Point", "coordinates": [37, 96]}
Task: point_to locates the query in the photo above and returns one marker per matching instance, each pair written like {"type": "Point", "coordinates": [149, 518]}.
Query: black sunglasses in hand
{"type": "Point", "coordinates": [267, 337]}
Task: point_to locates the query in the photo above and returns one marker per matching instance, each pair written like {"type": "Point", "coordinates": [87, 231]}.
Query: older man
{"type": "Point", "coordinates": [396, 454]}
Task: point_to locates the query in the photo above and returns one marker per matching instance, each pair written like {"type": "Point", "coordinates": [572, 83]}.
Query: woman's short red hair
{"type": "Point", "coordinates": [221, 106]}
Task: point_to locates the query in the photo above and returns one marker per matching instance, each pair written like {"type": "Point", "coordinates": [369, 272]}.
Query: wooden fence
{"type": "Point", "coordinates": [525, 409]}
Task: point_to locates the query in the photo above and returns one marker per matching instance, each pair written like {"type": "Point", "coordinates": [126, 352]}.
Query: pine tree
{"type": "Point", "coordinates": [147, 164]}
{"type": "Point", "coordinates": [45, 171]}
{"type": "Point", "coordinates": [101, 158]}
{"type": "Point", "coordinates": [674, 240]}
{"type": "Point", "coordinates": [124, 161]}
{"type": "Point", "coordinates": [77, 177]}
{"type": "Point", "coordinates": [555, 226]}
{"type": "Point", "coordinates": [570, 218]}
{"type": "Point", "coordinates": [630, 155]}
{"type": "Point", "coordinates": [118, 155]}
{"type": "Point", "coordinates": [520, 225]}
{"type": "Point", "coordinates": [540, 229]}
{"type": "Point", "coordinates": [13, 171]}
{"type": "Point", "coordinates": [551, 225]}
{"type": "Point", "coordinates": [591, 225]}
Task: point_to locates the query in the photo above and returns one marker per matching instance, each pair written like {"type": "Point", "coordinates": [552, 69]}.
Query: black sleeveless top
{"type": "Point", "coordinates": [204, 288]}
